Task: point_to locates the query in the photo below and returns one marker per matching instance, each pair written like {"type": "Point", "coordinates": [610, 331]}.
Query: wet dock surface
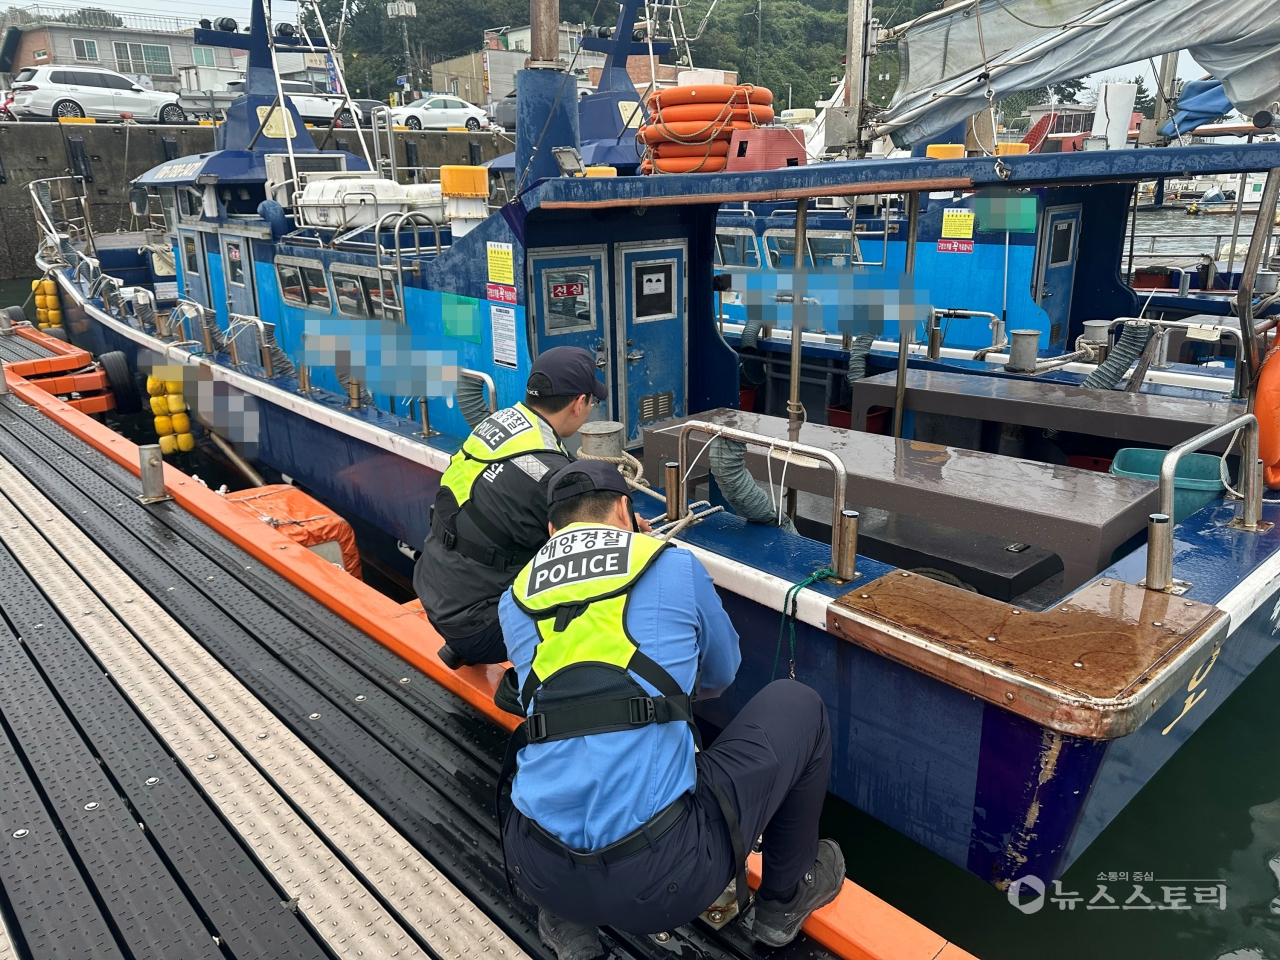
{"type": "Point", "coordinates": [199, 760]}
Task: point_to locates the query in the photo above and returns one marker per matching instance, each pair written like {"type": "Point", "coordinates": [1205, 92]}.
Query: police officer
{"type": "Point", "coordinates": [490, 514]}
{"type": "Point", "coordinates": [613, 817]}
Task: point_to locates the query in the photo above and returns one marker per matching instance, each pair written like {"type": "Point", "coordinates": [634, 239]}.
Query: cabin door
{"type": "Point", "coordinates": [1056, 250]}
{"type": "Point", "coordinates": [237, 265]}
{"type": "Point", "coordinates": [651, 296]}
{"type": "Point", "coordinates": [195, 284]}
{"type": "Point", "coordinates": [570, 309]}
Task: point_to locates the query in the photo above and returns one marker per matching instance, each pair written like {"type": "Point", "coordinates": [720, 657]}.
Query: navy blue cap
{"type": "Point", "coordinates": [586, 476]}
{"type": "Point", "coordinates": [572, 372]}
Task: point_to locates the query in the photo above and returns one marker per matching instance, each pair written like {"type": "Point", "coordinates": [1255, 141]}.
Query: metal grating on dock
{"type": "Point", "coordinates": [15, 349]}
{"type": "Point", "coordinates": [199, 760]}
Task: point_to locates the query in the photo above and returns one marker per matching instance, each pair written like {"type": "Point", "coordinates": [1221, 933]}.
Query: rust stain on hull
{"type": "Point", "coordinates": [1074, 668]}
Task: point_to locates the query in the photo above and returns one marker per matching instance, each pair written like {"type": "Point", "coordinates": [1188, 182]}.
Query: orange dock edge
{"type": "Point", "coordinates": [856, 926]}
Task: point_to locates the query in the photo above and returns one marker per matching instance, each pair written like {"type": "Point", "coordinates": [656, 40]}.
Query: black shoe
{"type": "Point", "coordinates": [451, 659]}
{"type": "Point", "coordinates": [777, 922]}
{"type": "Point", "coordinates": [507, 696]}
{"type": "Point", "coordinates": [570, 941]}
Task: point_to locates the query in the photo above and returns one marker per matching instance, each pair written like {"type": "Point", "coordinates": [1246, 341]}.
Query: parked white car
{"type": "Point", "coordinates": [314, 107]}
{"type": "Point", "coordinates": [436, 112]}
{"type": "Point", "coordinates": [89, 92]}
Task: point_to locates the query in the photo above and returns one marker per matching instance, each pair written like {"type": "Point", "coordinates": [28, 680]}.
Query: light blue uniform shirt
{"type": "Point", "coordinates": [590, 791]}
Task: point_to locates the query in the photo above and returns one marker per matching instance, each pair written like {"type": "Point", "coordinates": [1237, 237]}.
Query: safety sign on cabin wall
{"type": "Point", "coordinates": [501, 263]}
{"type": "Point", "coordinates": [957, 224]}
{"type": "Point", "coordinates": [503, 320]}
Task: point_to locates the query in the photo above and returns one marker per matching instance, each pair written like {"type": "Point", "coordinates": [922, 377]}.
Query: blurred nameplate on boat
{"type": "Point", "coordinates": [276, 123]}
{"type": "Point", "coordinates": [999, 208]}
{"type": "Point", "coordinates": [1094, 665]}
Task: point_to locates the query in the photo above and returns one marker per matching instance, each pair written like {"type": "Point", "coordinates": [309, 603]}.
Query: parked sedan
{"type": "Point", "coordinates": [438, 112]}
{"type": "Point", "coordinates": [59, 92]}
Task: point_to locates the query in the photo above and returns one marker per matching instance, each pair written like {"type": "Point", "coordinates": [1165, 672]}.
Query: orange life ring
{"type": "Point", "coordinates": [712, 93]}
{"type": "Point", "coordinates": [685, 165]}
{"type": "Point", "coordinates": [669, 151]}
{"type": "Point", "coordinates": [1267, 409]}
{"type": "Point", "coordinates": [690, 131]}
{"type": "Point", "coordinates": [712, 111]}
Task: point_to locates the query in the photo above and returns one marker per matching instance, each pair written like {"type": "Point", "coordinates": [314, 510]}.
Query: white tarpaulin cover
{"type": "Point", "coordinates": [1025, 44]}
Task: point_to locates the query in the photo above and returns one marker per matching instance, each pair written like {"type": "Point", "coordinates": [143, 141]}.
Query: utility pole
{"type": "Point", "coordinates": [403, 10]}
{"type": "Point", "coordinates": [844, 120]}
{"type": "Point", "coordinates": [758, 13]}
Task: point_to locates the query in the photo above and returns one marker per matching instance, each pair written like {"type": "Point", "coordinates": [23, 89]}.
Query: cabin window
{"type": "Point", "coordinates": [834, 249]}
{"type": "Point", "coordinates": [303, 283]}
{"type": "Point", "coordinates": [291, 289]}
{"type": "Point", "coordinates": [235, 262]}
{"type": "Point", "coordinates": [316, 287]}
{"type": "Point", "coordinates": [168, 205]}
{"type": "Point", "coordinates": [381, 296]}
{"type": "Point", "coordinates": [190, 258]}
{"type": "Point", "coordinates": [781, 247]}
{"type": "Point", "coordinates": [189, 202]}
{"type": "Point", "coordinates": [654, 290]}
{"type": "Point", "coordinates": [737, 250]}
{"type": "Point", "coordinates": [351, 301]}
{"type": "Point", "coordinates": [569, 300]}
{"type": "Point", "coordinates": [1060, 243]}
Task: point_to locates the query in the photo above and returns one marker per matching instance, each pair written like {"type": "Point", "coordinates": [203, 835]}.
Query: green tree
{"type": "Point", "coordinates": [1143, 101]}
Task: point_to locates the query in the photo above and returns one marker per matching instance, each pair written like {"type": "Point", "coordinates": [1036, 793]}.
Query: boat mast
{"type": "Point", "coordinates": [843, 121]}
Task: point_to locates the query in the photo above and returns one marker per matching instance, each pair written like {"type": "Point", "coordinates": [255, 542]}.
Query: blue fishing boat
{"type": "Point", "coordinates": [1010, 643]}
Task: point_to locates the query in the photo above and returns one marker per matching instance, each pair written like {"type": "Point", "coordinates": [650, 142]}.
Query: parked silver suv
{"type": "Point", "coordinates": [61, 91]}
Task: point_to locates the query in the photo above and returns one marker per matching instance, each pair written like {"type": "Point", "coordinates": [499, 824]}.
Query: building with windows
{"type": "Point", "coordinates": [153, 51]}
{"type": "Point", "coordinates": [489, 74]}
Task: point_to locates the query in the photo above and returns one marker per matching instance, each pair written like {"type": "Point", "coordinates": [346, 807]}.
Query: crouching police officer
{"type": "Point", "coordinates": [613, 817]}
{"type": "Point", "coordinates": [490, 514]}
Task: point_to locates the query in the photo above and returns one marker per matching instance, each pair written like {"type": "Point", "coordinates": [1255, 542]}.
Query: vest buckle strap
{"type": "Point", "coordinates": [536, 727]}
{"type": "Point", "coordinates": [641, 709]}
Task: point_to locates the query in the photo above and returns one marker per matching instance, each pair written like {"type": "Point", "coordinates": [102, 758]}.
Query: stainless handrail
{"type": "Point", "coordinates": [714, 430]}
{"type": "Point", "coordinates": [1160, 525]}
{"type": "Point", "coordinates": [487, 381]}
{"type": "Point", "coordinates": [1230, 333]}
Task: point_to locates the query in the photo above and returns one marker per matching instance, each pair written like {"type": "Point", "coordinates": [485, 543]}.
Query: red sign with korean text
{"type": "Point", "coordinates": [500, 292]}
{"type": "Point", "coordinates": [955, 246]}
{"type": "Point", "coordinates": [561, 290]}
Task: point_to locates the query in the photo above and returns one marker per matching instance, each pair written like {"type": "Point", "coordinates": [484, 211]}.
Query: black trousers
{"type": "Point", "coordinates": [773, 763]}
{"type": "Point", "coordinates": [487, 646]}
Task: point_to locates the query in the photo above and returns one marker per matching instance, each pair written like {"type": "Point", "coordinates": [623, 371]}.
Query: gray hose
{"type": "Point", "coordinates": [282, 362]}
{"type": "Point", "coordinates": [729, 467]}
{"type": "Point", "coordinates": [471, 401]}
{"type": "Point", "coordinates": [752, 367]}
{"type": "Point", "coordinates": [1127, 349]}
{"type": "Point", "coordinates": [858, 356]}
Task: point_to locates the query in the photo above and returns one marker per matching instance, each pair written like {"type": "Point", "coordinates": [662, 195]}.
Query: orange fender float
{"type": "Point", "coordinates": [670, 151]}
{"type": "Point", "coordinates": [691, 131]}
{"type": "Point", "coordinates": [718, 93]}
{"type": "Point", "coordinates": [684, 165]}
{"type": "Point", "coordinates": [1267, 409]}
{"type": "Point", "coordinates": [712, 111]}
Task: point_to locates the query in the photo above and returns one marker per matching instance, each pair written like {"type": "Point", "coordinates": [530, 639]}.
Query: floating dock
{"type": "Point", "coordinates": [216, 744]}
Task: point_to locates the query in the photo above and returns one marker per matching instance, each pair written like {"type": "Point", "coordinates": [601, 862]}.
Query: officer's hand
{"type": "Point", "coordinates": [644, 525]}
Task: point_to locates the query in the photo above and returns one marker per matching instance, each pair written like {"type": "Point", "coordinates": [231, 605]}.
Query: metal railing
{"type": "Point", "coordinates": [75, 222]}
{"type": "Point", "coordinates": [1232, 334]}
{"type": "Point", "coordinates": [1160, 525]}
{"type": "Point", "coordinates": [844, 523]}
{"type": "Point", "coordinates": [488, 383]}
